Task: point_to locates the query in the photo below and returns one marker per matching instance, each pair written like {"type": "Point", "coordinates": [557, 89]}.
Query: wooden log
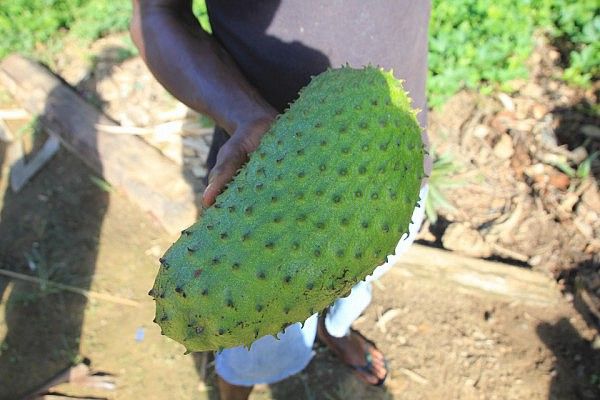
{"type": "Point", "coordinates": [148, 178]}
{"type": "Point", "coordinates": [476, 276]}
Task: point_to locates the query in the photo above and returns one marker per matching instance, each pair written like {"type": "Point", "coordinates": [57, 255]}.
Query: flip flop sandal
{"type": "Point", "coordinates": [368, 368]}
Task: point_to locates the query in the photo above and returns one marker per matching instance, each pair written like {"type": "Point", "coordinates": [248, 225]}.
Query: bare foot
{"type": "Point", "coordinates": [356, 351]}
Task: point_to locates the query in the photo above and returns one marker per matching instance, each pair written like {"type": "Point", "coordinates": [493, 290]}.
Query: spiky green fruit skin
{"type": "Point", "coordinates": [321, 202]}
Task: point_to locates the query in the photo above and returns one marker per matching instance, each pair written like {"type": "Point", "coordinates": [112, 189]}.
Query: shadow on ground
{"type": "Point", "coordinates": [49, 230]}
{"type": "Point", "coordinates": [576, 372]}
{"type": "Point", "coordinates": [572, 121]}
{"type": "Point", "coordinates": [324, 378]}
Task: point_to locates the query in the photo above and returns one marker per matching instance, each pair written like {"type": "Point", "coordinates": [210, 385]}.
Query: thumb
{"type": "Point", "coordinates": [230, 159]}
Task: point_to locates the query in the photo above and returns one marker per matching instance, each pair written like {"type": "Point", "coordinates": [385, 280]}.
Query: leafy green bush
{"type": "Point", "coordinates": [576, 28]}
{"type": "Point", "coordinates": [482, 43]}
{"type": "Point", "coordinates": [475, 41]}
{"type": "Point", "coordinates": [26, 23]}
{"type": "Point", "coordinates": [95, 19]}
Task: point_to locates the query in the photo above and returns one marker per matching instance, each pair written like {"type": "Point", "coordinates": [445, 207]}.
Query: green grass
{"type": "Point", "coordinates": [581, 171]}
{"type": "Point", "coordinates": [478, 44]}
{"type": "Point", "coordinates": [442, 178]}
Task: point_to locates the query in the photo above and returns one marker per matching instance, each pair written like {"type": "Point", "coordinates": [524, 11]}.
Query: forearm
{"type": "Point", "coordinates": [193, 67]}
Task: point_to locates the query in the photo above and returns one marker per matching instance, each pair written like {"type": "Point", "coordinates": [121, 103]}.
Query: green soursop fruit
{"type": "Point", "coordinates": [320, 203]}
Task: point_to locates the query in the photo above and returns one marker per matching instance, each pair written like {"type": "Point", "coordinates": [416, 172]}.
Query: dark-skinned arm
{"type": "Point", "coordinates": [195, 69]}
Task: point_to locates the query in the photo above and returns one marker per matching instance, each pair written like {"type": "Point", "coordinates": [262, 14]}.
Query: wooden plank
{"type": "Point", "coordinates": [477, 276]}
{"type": "Point", "coordinates": [21, 172]}
{"type": "Point", "coordinates": [148, 178]}
{"type": "Point", "coordinates": [5, 132]}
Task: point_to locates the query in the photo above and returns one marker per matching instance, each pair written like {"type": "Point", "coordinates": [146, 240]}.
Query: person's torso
{"type": "Point", "coordinates": [278, 45]}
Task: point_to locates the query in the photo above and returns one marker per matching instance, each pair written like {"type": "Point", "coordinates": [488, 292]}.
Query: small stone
{"type": "Point", "coordinates": [507, 101]}
{"type": "Point", "coordinates": [535, 260]}
{"type": "Point", "coordinates": [481, 131]}
{"type": "Point", "coordinates": [596, 343]}
{"type": "Point", "coordinates": [504, 148]}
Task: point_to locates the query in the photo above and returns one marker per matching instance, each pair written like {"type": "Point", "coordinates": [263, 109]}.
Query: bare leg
{"type": "Point", "coordinates": [228, 391]}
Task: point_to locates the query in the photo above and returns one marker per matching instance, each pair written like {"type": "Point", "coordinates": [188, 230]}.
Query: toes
{"type": "Point", "coordinates": [379, 371]}
{"type": "Point", "coordinates": [367, 378]}
{"type": "Point", "coordinates": [376, 355]}
{"type": "Point", "coordinates": [378, 363]}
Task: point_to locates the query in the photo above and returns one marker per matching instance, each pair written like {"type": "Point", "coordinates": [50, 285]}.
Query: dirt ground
{"type": "Point", "coordinates": [441, 343]}
{"type": "Point", "coordinates": [67, 226]}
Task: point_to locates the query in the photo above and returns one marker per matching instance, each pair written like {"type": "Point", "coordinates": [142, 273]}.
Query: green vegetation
{"type": "Point", "coordinates": [443, 177]}
{"type": "Point", "coordinates": [582, 171]}
{"type": "Point", "coordinates": [484, 43]}
{"type": "Point", "coordinates": [581, 35]}
{"type": "Point", "coordinates": [101, 183]}
{"type": "Point", "coordinates": [202, 14]}
{"type": "Point", "coordinates": [474, 43]}
{"type": "Point", "coordinates": [30, 26]}
{"type": "Point", "coordinates": [25, 25]}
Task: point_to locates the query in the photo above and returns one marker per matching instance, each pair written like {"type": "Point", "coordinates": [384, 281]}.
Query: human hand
{"type": "Point", "coordinates": [233, 155]}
